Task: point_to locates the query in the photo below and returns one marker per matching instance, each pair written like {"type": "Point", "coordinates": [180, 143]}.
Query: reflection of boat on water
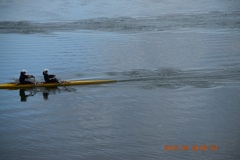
{"type": "Point", "coordinates": [65, 83]}
{"type": "Point", "coordinates": [23, 95]}
{"type": "Point", "coordinates": [46, 91]}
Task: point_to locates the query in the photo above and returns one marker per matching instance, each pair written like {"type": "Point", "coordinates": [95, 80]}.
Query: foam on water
{"type": "Point", "coordinates": [212, 20]}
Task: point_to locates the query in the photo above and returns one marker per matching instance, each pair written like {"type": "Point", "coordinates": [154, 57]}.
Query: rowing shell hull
{"type": "Point", "coordinates": [67, 83]}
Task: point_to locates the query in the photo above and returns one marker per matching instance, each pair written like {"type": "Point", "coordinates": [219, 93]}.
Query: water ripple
{"type": "Point", "coordinates": [221, 20]}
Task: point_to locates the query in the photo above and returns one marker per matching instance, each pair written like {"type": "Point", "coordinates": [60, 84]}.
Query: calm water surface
{"type": "Point", "coordinates": [177, 67]}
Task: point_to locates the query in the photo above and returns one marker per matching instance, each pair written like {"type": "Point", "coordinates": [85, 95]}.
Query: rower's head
{"type": "Point", "coordinates": [23, 71]}
{"type": "Point", "coordinates": [45, 71]}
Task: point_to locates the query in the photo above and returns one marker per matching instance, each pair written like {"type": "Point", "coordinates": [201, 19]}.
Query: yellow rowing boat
{"type": "Point", "coordinates": [65, 83]}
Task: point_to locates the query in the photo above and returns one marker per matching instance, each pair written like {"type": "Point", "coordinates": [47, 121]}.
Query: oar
{"type": "Point", "coordinates": [68, 89]}
{"type": "Point", "coordinates": [61, 83]}
{"type": "Point", "coordinates": [35, 86]}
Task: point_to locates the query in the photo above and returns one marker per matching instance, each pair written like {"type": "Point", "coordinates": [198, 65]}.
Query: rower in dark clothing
{"type": "Point", "coordinates": [49, 78]}
{"type": "Point", "coordinates": [24, 78]}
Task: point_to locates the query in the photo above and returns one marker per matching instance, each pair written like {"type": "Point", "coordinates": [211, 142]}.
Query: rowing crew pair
{"type": "Point", "coordinates": [24, 78]}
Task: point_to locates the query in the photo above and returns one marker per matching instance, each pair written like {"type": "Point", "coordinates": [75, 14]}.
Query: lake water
{"type": "Point", "coordinates": [177, 67]}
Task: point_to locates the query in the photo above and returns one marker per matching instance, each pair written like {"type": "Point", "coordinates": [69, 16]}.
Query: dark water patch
{"type": "Point", "coordinates": [219, 20]}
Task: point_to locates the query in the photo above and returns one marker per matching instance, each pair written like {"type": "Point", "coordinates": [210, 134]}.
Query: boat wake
{"type": "Point", "coordinates": [173, 78]}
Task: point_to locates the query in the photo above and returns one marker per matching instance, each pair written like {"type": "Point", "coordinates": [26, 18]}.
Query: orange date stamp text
{"type": "Point", "coordinates": [213, 147]}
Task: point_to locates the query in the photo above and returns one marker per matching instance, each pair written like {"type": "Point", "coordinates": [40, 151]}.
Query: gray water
{"type": "Point", "coordinates": [177, 67]}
